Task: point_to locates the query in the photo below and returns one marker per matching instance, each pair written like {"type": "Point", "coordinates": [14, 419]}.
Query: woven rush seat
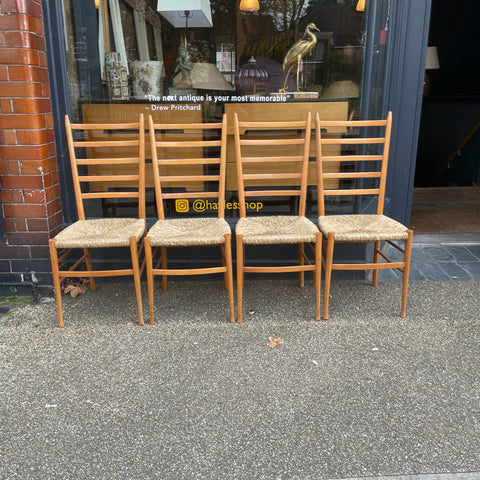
{"type": "Point", "coordinates": [101, 233]}
{"type": "Point", "coordinates": [277, 229]}
{"type": "Point", "coordinates": [362, 228]}
{"type": "Point", "coordinates": [187, 232]}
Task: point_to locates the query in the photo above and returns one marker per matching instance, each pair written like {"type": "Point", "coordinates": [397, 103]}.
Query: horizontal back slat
{"type": "Point", "coordinates": [108, 161]}
{"type": "Point", "coordinates": [273, 193]}
{"type": "Point", "coordinates": [272, 142]}
{"type": "Point", "coordinates": [109, 178]}
{"type": "Point", "coordinates": [100, 195]}
{"type": "Point", "coordinates": [272, 159]}
{"type": "Point", "coordinates": [351, 141]}
{"type": "Point", "coordinates": [351, 158]}
{"type": "Point", "coordinates": [354, 191]}
{"type": "Point", "coordinates": [106, 143]}
{"type": "Point", "coordinates": [351, 175]}
{"type": "Point", "coordinates": [167, 195]}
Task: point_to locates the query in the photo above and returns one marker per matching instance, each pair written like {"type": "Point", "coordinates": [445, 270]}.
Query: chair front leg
{"type": "Point", "coordinates": [150, 279]}
{"type": "Point", "coordinates": [56, 280]}
{"type": "Point", "coordinates": [376, 249]}
{"type": "Point", "coordinates": [301, 262]}
{"type": "Point", "coordinates": [136, 277]}
{"type": "Point", "coordinates": [406, 271]}
{"type": "Point", "coordinates": [163, 253]}
{"type": "Point", "coordinates": [328, 272]}
{"type": "Point", "coordinates": [88, 262]}
{"type": "Point", "coordinates": [229, 275]}
{"type": "Point", "coordinates": [240, 273]}
{"type": "Point", "coordinates": [318, 273]}
{"type": "Point", "coordinates": [225, 279]}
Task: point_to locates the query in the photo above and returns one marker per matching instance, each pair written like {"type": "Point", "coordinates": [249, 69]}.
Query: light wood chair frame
{"type": "Point", "coordinates": [102, 191]}
{"type": "Point", "coordinates": [242, 159]}
{"type": "Point", "coordinates": [380, 173]}
{"type": "Point", "coordinates": [156, 256]}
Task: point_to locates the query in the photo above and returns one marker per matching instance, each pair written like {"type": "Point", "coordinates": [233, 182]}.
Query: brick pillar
{"type": "Point", "coordinates": [30, 191]}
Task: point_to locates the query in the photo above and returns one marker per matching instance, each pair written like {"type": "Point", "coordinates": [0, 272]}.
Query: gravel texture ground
{"type": "Point", "coordinates": [364, 394]}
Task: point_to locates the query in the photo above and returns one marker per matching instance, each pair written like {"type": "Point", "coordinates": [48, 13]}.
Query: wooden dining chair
{"type": "Point", "coordinates": [176, 150]}
{"type": "Point", "coordinates": [268, 153]}
{"type": "Point", "coordinates": [99, 155]}
{"type": "Point", "coordinates": [363, 157]}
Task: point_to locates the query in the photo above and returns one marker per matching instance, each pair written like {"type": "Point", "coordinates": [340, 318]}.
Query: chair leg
{"type": "Point", "coordinates": [150, 278]}
{"type": "Point", "coordinates": [240, 262]}
{"type": "Point", "coordinates": [318, 273]}
{"type": "Point", "coordinates": [225, 273]}
{"type": "Point", "coordinates": [136, 277]}
{"type": "Point", "coordinates": [406, 272]}
{"type": "Point", "coordinates": [163, 253]}
{"type": "Point", "coordinates": [328, 272]}
{"type": "Point", "coordinates": [229, 275]}
{"type": "Point", "coordinates": [301, 262]}
{"type": "Point", "coordinates": [376, 248]}
{"type": "Point", "coordinates": [56, 280]}
{"type": "Point", "coordinates": [88, 261]}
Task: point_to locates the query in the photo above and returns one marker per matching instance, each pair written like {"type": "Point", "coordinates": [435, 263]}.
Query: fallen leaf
{"type": "Point", "coordinates": [75, 287]}
{"type": "Point", "coordinates": [273, 342]}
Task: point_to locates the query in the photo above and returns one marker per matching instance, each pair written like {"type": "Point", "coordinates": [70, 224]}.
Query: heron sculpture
{"type": "Point", "coordinates": [299, 49]}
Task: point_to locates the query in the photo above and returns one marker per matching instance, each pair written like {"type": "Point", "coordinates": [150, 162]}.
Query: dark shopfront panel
{"type": "Point", "coordinates": [364, 64]}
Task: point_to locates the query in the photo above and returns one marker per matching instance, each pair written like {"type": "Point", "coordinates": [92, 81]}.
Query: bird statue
{"type": "Point", "coordinates": [299, 49]}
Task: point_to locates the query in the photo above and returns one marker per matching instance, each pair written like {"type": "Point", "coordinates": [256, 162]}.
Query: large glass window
{"type": "Point", "coordinates": [126, 57]}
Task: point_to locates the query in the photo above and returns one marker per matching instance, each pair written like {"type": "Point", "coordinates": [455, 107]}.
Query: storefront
{"type": "Point", "coordinates": [194, 60]}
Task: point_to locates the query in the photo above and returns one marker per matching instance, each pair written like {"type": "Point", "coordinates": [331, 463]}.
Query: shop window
{"type": "Point", "coordinates": [124, 57]}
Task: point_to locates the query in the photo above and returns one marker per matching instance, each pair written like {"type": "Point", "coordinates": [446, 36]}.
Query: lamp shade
{"type": "Point", "coordinates": [342, 89]}
{"type": "Point", "coordinates": [199, 13]}
{"type": "Point", "coordinates": [249, 5]}
{"type": "Point", "coordinates": [432, 62]}
{"type": "Point", "coordinates": [252, 78]}
{"type": "Point", "coordinates": [206, 76]}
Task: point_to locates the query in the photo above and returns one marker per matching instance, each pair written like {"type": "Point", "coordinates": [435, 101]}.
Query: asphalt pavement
{"type": "Point", "coordinates": [364, 395]}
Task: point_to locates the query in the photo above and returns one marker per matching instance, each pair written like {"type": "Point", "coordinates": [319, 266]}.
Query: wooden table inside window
{"type": "Point", "coordinates": [328, 110]}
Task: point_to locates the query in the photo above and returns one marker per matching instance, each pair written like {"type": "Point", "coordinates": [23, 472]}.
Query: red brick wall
{"type": "Point", "coordinates": [30, 191]}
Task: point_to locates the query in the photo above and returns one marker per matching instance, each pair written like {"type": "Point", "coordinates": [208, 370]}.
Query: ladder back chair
{"type": "Point", "coordinates": [282, 147]}
{"type": "Point", "coordinates": [175, 149]}
{"type": "Point", "coordinates": [364, 159]}
{"type": "Point", "coordinates": [108, 148]}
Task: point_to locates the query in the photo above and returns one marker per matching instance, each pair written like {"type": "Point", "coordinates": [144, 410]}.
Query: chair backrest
{"type": "Point", "coordinates": [192, 155]}
{"type": "Point", "coordinates": [361, 164]}
{"type": "Point", "coordinates": [98, 169]}
{"type": "Point", "coordinates": [272, 160]}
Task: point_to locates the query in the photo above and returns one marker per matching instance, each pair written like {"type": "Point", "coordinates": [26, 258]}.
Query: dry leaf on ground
{"type": "Point", "coordinates": [75, 287]}
{"type": "Point", "coordinates": [273, 342]}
